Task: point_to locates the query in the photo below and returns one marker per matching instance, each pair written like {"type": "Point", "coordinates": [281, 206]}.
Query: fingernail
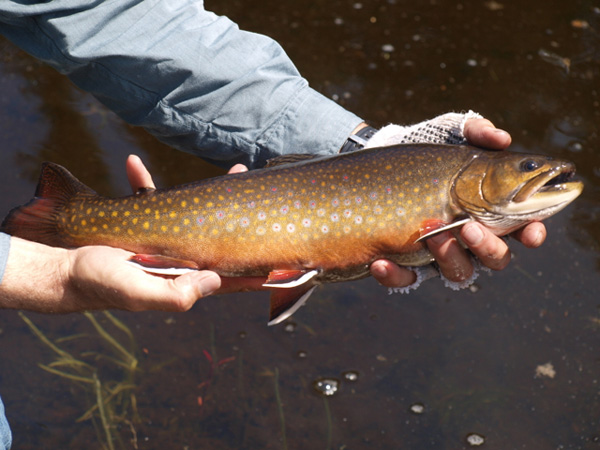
{"type": "Point", "coordinates": [209, 283]}
{"type": "Point", "coordinates": [472, 234]}
{"type": "Point", "coordinates": [380, 270]}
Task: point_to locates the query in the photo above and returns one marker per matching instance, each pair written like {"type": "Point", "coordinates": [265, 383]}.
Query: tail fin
{"type": "Point", "coordinates": [38, 220]}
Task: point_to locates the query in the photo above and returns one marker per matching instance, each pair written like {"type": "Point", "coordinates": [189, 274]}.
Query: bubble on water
{"type": "Point", "coordinates": [301, 354]}
{"type": "Point", "coordinates": [387, 48]}
{"type": "Point", "coordinates": [417, 408]}
{"type": "Point", "coordinates": [326, 386]}
{"type": "Point", "coordinates": [350, 375]}
{"type": "Point", "coordinates": [290, 327]}
{"type": "Point", "coordinates": [475, 440]}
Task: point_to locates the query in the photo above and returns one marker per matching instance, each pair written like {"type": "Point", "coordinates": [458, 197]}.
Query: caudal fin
{"type": "Point", "coordinates": [38, 220]}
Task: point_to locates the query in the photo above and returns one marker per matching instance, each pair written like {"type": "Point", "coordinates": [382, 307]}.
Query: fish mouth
{"type": "Point", "coordinates": [550, 190]}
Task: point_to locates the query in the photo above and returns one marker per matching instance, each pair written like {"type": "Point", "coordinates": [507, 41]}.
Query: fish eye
{"type": "Point", "coordinates": [529, 165]}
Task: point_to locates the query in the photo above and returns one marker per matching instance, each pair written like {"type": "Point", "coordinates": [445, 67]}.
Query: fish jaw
{"type": "Point", "coordinates": [505, 191]}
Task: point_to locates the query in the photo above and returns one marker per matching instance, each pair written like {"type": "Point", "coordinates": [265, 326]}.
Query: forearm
{"type": "Point", "coordinates": [189, 77]}
{"type": "Point", "coordinates": [34, 278]}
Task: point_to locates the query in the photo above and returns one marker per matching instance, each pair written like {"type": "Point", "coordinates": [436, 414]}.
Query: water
{"type": "Point", "coordinates": [217, 377]}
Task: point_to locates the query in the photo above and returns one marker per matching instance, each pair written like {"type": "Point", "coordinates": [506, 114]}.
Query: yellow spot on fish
{"type": "Point", "coordinates": [147, 210]}
{"type": "Point", "coordinates": [101, 214]}
{"type": "Point", "coordinates": [163, 228]}
{"type": "Point", "coordinates": [88, 211]}
{"type": "Point", "coordinates": [105, 226]}
{"type": "Point", "coordinates": [94, 229]}
{"type": "Point", "coordinates": [126, 213]}
{"type": "Point", "coordinates": [209, 204]}
{"type": "Point", "coordinates": [176, 229]}
{"type": "Point", "coordinates": [183, 204]}
{"type": "Point", "coordinates": [186, 221]}
{"type": "Point", "coordinates": [415, 190]}
{"type": "Point", "coordinates": [117, 229]}
{"type": "Point", "coordinates": [172, 214]}
{"type": "Point", "coordinates": [83, 223]}
{"type": "Point", "coordinates": [115, 213]}
{"type": "Point", "coordinates": [136, 206]}
{"type": "Point", "coordinates": [146, 225]}
{"type": "Point", "coordinates": [130, 232]}
{"type": "Point", "coordinates": [196, 200]}
{"type": "Point", "coordinates": [134, 221]}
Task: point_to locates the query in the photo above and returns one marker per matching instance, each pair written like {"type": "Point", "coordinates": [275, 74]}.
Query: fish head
{"type": "Point", "coordinates": [506, 190]}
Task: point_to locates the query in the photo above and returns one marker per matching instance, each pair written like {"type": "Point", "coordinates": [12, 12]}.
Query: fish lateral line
{"type": "Point", "coordinates": [433, 227]}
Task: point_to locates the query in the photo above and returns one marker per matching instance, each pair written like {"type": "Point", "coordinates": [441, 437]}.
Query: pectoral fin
{"type": "Point", "coordinates": [433, 227]}
{"type": "Point", "coordinates": [163, 265]}
{"type": "Point", "coordinates": [285, 302]}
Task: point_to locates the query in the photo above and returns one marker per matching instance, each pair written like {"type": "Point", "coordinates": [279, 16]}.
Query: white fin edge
{"type": "Point", "coordinates": [444, 228]}
{"type": "Point", "coordinates": [295, 307]}
{"type": "Point", "coordinates": [163, 271]}
{"type": "Point", "coordinates": [295, 283]}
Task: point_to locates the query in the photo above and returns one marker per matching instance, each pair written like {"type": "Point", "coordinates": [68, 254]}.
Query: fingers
{"type": "Point", "coordinates": [138, 175]}
{"type": "Point", "coordinates": [238, 168]}
{"type": "Point", "coordinates": [391, 275]}
{"type": "Point", "coordinates": [492, 251]}
{"type": "Point", "coordinates": [452, 259]}
{"type": "Point", "coordinates": [532, 235]}
{"type": "Point", "coordinates": [483, 133]}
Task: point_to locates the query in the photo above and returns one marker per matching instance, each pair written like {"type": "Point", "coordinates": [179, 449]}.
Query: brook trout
{"type": "Point", "coordinates": [325, 219]}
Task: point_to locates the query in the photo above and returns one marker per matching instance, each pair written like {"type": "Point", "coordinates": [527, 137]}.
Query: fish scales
{"type": "Point", "coordinates": [305, 223]}
{"type": "Point", "coordinates": [351, 209]}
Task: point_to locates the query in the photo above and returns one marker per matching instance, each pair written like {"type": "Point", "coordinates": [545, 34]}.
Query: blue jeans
{"type": "Point", "coordinates": [5, 434]}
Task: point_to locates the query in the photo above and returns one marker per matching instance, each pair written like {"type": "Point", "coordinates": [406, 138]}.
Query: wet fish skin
{"type": "Point", "coordinates": [332, 215]}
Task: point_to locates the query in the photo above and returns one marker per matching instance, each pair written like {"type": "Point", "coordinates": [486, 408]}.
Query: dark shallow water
{"type": "Point", "coordinates": [217, 377]}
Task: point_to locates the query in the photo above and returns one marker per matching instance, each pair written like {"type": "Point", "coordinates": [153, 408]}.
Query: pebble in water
{"type": "Point", "coordinates": [326, 386]}
{"type": "Point", "coordinates": [475, 440]}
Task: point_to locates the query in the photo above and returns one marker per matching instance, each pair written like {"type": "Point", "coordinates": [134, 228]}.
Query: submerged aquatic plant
{"type": "Point", "coordinates": [113, 400]}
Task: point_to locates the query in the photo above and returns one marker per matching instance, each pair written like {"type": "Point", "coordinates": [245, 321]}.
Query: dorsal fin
{"type": "Point", "coordinates": [289, 159]}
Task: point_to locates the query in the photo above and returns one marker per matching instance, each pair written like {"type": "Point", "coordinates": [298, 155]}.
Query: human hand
{"type": "Point", "coordinates": [453, 260]}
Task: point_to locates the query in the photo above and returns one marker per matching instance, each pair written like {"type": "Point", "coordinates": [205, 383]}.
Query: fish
{"type": "Point", "coordinates": [305, 220]}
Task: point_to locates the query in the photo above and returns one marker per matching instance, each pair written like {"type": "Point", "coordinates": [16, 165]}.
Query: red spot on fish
{"type": "Point", "coordinates": [200, 220]}
{"type": "Point", "coordinates": [313, 181]}
{"type": "Point", "coordinates": [274, 189]}
{"type": "Point", "coordinates": [228, 189]}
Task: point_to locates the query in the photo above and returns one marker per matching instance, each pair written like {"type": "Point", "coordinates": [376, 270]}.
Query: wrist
{"type": "Point", "coordinates": [358, 138]}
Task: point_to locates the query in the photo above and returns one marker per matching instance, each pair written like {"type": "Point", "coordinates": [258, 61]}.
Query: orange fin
{"type": "Point", "coordinates": [36, 221]}
{"type": "Point", "coordinates": [285, 302]}
{"type": "Point", "coordinates": [163, 265]}
{"type": "Point", "coordinates": [289, 278]}
{"type": "Point", "coordinates": [433, 226]}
